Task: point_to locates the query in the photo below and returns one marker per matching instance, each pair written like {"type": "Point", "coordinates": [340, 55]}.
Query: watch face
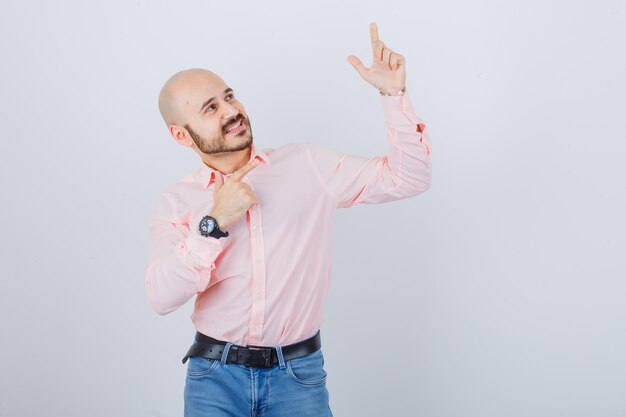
{"type": "Point", "coordinates": [207, 225]}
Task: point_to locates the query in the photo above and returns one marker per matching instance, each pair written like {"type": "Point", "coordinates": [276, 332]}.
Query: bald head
{"type": "Point", "coordinates": [176, 94]}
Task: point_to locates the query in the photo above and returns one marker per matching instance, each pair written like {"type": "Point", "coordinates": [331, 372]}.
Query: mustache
{"type": "Point", "coordinates": [234, 120]}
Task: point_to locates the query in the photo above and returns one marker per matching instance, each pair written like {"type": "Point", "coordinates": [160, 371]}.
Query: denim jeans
{"type": "Point", "coordinates": [214, 388]}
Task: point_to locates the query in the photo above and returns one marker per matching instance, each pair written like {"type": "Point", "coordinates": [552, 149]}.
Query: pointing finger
{"type": "Point", "coordinates": [241, 172]}
{"type": "Point", "coordinates": [373, 32]}
{"type": "Point", "coordinates": [219, 181]}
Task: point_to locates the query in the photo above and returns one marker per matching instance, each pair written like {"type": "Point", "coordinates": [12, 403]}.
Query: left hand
{"type": "Point", "coordinates": [388, 71]}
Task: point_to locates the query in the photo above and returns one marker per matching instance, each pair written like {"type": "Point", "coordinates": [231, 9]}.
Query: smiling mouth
{"type": "Point", "coordinates": [235, 127]}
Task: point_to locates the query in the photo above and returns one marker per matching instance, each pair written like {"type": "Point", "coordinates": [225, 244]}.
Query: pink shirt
{"type": "Point", "coordinates": [266, 283]}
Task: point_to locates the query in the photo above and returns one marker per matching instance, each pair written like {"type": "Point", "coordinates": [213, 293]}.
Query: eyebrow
{"type": "Point", "coordinates": [209, 101]}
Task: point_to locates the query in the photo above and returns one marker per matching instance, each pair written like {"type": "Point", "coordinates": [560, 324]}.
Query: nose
{"type": "Point", "coordinates": [229, 110]}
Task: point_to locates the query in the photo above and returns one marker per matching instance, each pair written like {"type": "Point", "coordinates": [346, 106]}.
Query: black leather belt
{"type": "Point", "coordinates": [254, 356]}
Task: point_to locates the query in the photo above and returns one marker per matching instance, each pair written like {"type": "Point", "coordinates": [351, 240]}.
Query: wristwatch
{"type": "Point", "coordinates": [209, 227]}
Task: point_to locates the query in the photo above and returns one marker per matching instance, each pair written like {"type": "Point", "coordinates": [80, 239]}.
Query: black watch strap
{"type": "Point", "coordinates": [209, 227]}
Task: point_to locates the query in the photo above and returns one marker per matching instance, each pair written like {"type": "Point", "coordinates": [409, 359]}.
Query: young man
{"type": "Point", "coordinates": [249, 234]}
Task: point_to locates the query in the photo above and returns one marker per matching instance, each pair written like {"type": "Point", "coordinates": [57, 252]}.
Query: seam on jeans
{"type": "Point", "coordinates": [267, 383]}
{"type": "Point", "coordinates": [253, 399]}
{"type": "Point", "coordinates": [293, 376]}
{"type": "Point", "coordinates": [205, 372]}
{"type": "Point", "coordinates": [303, 382]}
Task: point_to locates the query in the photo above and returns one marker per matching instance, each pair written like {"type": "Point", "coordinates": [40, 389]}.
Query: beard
{"type": "Point", "coordinates": [219, 143]}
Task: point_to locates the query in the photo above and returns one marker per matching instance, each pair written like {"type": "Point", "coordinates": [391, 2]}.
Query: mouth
{"type": "Point", "coordinates": [235, 128]}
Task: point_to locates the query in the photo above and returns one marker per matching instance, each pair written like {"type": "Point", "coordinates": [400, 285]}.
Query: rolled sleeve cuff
{"type": "Point", "coordinates": [203, 250]}
{"type": "Point", "coordinates": [399, 112]}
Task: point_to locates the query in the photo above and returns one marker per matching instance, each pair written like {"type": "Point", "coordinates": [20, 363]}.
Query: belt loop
{"type": "Point", "coordinates": [225, 352]}
{"type": "Point", "coordinates": [281, 359]}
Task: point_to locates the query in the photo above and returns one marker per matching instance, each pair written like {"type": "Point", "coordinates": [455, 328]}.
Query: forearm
{"type": "Point", "coordinates": [170, 284]}
{"type": "Point", "coordinates": [180, 266]}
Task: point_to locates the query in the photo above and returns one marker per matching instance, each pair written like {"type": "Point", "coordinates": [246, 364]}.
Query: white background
{"type": "Point", "coordinates": [498, 292]}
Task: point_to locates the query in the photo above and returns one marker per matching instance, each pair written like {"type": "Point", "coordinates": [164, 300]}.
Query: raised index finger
{"type": "Point", "coordinates": [373, 32]}
{"type": "Point", "coordinates": [241, 172]}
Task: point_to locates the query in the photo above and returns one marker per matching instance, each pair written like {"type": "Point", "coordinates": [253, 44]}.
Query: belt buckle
{"type": "Point", "coordinates": [266, 356]}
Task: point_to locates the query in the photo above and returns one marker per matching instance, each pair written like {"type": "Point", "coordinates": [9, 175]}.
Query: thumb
{"type": "Point", "coordinates": [358, 65]}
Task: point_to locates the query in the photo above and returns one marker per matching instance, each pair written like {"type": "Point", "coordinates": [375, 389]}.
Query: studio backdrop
{"type": "Point", "coordinates": [497, 292]}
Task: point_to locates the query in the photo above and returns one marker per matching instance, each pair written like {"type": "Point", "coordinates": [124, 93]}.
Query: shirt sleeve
{"type": "Point", "coordinates": [404, 172]}
{"type": "Point", "coordinates": [181, 259]}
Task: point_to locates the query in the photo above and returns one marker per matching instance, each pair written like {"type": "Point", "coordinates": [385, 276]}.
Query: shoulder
{"type": "Point", "coordinates": [283, 149]}
{"type": "Point", "coordinates": [300, 148]}
{"type": "Point", "coordinates": [177, 192]}
{"type": "Point", "coordinates": [287, 152]}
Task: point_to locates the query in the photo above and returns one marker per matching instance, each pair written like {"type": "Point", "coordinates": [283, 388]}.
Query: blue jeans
{"type": "Point", "coordinates": [214, 388]}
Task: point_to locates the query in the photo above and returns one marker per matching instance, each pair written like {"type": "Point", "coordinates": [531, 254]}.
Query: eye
{"type": "Point", "coordinates": [231, 96]}
{"type": "Point", "coordinates": [210, 107]}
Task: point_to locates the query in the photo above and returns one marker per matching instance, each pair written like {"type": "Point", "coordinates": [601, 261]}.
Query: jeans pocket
{"type": "Point", "coordinates": [199, 366]}
{"type": "Point", "coordinates": [308, 370]}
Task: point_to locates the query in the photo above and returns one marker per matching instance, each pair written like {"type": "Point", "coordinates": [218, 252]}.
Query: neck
{"type": "Point", "coordinates": [228, 162]}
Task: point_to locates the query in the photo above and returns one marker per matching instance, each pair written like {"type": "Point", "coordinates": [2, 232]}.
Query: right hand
{"type": "Point", "coordinates": [388, 71]}
{"type": "Point", "coordinates": [232, 198]}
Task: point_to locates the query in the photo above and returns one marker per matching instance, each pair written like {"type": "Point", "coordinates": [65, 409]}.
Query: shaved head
{"type": "Point", "coordinates": [175, 93]}
{"type": "Point", "coordinates": [202, 112]}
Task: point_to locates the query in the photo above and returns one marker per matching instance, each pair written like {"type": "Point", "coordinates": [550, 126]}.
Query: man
{"type": "Point", "coordinates": [249, 234]}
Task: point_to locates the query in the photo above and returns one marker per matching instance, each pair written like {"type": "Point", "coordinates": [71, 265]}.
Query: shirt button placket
{"type": "Point", "coordinates": [258, 275]}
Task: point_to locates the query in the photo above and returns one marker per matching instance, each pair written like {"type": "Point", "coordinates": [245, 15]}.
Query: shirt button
{"type": "Point", "coordinates": [254, 227]}
{"type": "Point", "coordinates": [258, 259]}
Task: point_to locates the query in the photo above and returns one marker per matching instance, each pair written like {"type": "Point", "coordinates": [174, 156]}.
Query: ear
{"type": "Point", "coordinates": [181, 135]}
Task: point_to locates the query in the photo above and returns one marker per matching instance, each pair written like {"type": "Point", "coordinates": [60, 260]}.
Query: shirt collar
{"type": "Point", "coordinates": [207, 174]}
